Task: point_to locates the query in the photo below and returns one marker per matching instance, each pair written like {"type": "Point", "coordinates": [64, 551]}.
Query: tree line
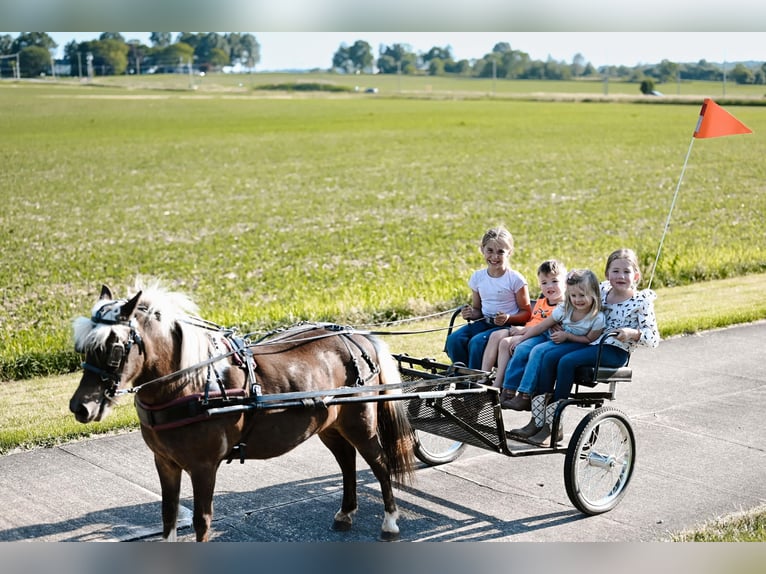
{"type": "Point", "coordinates": [112, 54]}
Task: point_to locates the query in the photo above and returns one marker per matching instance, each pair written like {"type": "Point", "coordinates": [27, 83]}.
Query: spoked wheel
{"type": "Point", "coordinates": [434, 450]}
{"type": "Point", "coordinates": [600, 460]}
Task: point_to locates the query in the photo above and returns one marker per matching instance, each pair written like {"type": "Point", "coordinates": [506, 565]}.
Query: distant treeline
{"type": "Point", "coordinates": [29, 55]}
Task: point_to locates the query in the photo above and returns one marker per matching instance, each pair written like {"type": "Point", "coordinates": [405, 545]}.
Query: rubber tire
{"type": "Point", "coordinates": [434, 450]}
{"type": "Point", "coordinates": [613, 455]}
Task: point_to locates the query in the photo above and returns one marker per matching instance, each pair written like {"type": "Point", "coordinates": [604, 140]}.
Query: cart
{"type": "Point", "coordinates": [451, 407]}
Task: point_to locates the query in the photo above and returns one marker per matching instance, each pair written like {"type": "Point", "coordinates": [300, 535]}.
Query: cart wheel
{"type": "Point", "coordinates": [599, 461]}
{"type": "Point", "coordinates": [434, 449]}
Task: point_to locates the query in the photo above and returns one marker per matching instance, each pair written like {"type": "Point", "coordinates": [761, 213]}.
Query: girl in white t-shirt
{"type": "Point", "coordinates": [499, 297]}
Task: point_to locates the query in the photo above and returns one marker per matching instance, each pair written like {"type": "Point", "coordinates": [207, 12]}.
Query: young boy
{"type": "Point", "coordinates": [551, 276]}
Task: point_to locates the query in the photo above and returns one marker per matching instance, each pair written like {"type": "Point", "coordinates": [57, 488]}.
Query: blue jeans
{"type": "Point", "coordinates": [466, 345]}
{"type": "Point", "coordinates": [540, 372]}
{"type": "Point", "coordinates": [563, 373]}
{"type": "Point", "coordinates": [516, 366]}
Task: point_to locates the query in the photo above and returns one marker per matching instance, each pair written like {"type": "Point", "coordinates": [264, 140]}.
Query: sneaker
{"type": "Point", "coordinates": [521, 402]}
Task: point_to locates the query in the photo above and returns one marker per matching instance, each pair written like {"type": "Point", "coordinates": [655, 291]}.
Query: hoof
{"type": "Point", "coordinates": [340, 526]}
{"type": "Point", "coordinates": [389, 537]}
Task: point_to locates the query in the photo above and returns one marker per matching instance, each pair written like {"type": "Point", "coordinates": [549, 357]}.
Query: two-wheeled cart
{"type": "Point", "coordinates": [451, 407]}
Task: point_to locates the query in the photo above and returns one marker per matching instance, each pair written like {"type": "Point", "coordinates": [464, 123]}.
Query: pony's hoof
{"type": "Point", "coordinates": [389, 537]}
{"type": "Point", "coordinates": [341, 526]}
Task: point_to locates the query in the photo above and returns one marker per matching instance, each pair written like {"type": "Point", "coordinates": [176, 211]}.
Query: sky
{"type": "Point", "coordinates": [308, 50]}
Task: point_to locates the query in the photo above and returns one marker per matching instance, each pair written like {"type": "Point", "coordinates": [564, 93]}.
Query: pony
{"type": "Point", "coordinates": [204, 396]}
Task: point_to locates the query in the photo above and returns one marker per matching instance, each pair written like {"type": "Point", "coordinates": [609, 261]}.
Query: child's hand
{"type": "Point", "coordinates": [625, 334]}
{"type": "Point", "coordinates": [559, 336]}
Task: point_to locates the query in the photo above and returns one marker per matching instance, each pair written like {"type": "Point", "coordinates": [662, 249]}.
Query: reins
{"type": "Point", "coordinates": [245, 346]}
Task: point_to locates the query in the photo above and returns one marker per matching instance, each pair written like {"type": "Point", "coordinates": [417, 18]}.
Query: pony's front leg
{"type": "Point", "coordinates": [203, 486]}
{"type": "Point", "coordinates": [345, 455]}
{"type": "Point", "coordinates": [170, 485]}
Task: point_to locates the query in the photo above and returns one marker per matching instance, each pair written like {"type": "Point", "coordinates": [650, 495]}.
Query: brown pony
{"type": "Point", "coordinates": [202, 397]}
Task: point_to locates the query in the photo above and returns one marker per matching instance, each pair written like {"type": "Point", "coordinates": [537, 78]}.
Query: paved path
{"type": "Point", "coordinates": [697, 405]}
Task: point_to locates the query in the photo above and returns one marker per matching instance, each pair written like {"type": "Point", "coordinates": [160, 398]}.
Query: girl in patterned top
{"type": "Point", "coordinates": [629, 312]}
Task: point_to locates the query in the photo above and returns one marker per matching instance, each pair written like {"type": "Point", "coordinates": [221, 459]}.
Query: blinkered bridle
{"type": "Point", "coordinates": [117, 352]}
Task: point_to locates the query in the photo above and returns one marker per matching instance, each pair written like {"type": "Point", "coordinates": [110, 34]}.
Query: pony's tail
{"type": "Point", "coordinates": [394, 430]}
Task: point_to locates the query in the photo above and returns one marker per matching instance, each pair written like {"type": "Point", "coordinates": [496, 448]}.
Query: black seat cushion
{"type": "Point", "coordinates": [587, 376]}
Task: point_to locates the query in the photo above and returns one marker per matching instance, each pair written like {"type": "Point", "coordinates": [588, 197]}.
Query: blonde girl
{"type": "Point", "coordinates": [499, 297]}
{"type": "Point", "coordinates": [629, 313]}
{"type": "Point", "coordinates": [572, 325]}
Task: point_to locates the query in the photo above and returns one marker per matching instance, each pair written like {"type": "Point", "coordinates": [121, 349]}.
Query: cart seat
{"type": "Point", "coordinates": [588, 376]}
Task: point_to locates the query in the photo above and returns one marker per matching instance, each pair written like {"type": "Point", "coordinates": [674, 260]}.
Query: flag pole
{"type": "Point", "coordinates": [670, 212]}
{"type": "Point", "coordinates": [713, 122]}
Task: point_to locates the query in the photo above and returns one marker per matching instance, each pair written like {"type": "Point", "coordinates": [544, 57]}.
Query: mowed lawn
{"type": "Point", "coordinates": [269, 210]}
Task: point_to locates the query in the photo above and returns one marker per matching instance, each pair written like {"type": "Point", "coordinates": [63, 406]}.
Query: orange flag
{"type": "Point", "coordinates": [715, 122]}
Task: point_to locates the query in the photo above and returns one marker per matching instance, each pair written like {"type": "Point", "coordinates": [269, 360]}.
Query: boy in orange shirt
{"type": "Point", "coordinates": [551, 275]}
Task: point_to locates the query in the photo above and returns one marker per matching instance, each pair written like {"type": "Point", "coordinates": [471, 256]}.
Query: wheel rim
{"type": "Point", "coordinates": [604, 463]}
{"type": "Point", "coordinates": [437, 447]}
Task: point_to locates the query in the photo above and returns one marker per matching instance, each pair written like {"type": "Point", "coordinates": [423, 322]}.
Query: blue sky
{"type": "Point", "coordinates": [306, 50]}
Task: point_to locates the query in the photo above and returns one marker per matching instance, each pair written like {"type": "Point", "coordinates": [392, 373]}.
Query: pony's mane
{"type": "Point", "coordinates": [159, 312]}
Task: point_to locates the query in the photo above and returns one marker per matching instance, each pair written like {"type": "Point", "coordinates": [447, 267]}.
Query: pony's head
{"type": "Point", "coordinates": [125, 342]}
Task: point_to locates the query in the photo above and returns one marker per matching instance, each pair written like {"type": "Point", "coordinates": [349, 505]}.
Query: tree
{"type": "Point", "coordinates": [211, 51]}
{"type": "Point", "coordinates": [26, 39]}
{"type": "Point", "coordinates": [71, 51]}
{"type": "Point", "coordinates": [110, 57]}
{"type": "Point", "coordinates": [341, 59]}
{"type": "Point", "coordinates": [112, 36]}
{"type": "Point", "coordinates": [361, 56]}
{"type": "Point", "coordinates": [741, 74]}
{"type": "Point", "coordinates": [136, 55]}
{"type": "Point", "coordinates": [160, 39]}
{"type": "Point", "coordinates": [34, 61]}
{"type": "Point", "coordinates": [578, 65]}
{"type": "Point", "coordinates": [397, 57]}
{"type": "Point", "coordinates": [243, 49]}
{"type": "Point", "coordinates": [666, 71]}
{"type": "Point", "coordinates": [647, 86]}
{"type": "Point", "coordinates": [6, 41]}
{"type": "Point", "coordinates": [436, 53]}
{"type": "Point", "coordinates": [168, 59]}
{"type": "Point", "coordinates": [355, 58]}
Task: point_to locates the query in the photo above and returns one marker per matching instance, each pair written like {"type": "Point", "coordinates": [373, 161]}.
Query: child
{"type": "Point", "coordinates": [581, 322]}
{"type": "Point", "coordinates": [629, 312]}
{"type": "Point", "coordinates": [499, 297]}
{"type": "Point", "coordinates": [551, 276]}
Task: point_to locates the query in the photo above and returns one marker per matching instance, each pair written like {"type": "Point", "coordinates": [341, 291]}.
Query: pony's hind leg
{"type": "Point", "coordinates": [345, 455]}
{"type": "Point", "coordinates": [170, 485]}
{"type": "Point", "coordinates": [373, 455]}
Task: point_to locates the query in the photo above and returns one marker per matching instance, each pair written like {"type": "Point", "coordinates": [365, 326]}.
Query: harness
{"type": "Point", "coordinates": [117, 353]}
{"type": "Point", "coordinates": [215, 400]}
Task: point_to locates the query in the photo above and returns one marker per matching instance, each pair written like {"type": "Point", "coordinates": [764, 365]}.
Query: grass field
{"type": "Point", "coordinates": [432, 86]}
{"type": "Point", "coordinates": [357, 209]}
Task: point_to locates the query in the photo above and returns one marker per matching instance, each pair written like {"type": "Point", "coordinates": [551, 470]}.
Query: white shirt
{"type": "Point", "coordinates": [498, 294]}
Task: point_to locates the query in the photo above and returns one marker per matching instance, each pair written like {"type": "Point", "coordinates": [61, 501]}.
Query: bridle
{"type": "Point", "coordinates": [118, 353]}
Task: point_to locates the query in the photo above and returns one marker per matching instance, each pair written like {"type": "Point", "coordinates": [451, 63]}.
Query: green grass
{"type": "Point", "coordinates": [429, 86]}
{"type": "Point", "coordinates": [35, 412]}
{"type": "Point", "coordinates": [350, 208]}
{"type": "Point", "coordinates": [742, 527]}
